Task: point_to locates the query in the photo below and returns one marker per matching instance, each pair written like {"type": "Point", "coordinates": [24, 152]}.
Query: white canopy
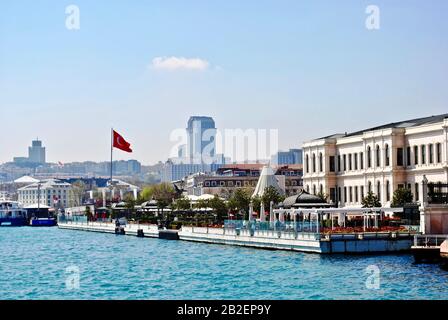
{"type": "Point", "coordinates": [267, 179]}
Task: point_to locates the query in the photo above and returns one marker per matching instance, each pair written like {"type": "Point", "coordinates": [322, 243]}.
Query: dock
{"type": "Point", "coordinates": [312, 242]}
{"type": "Point", "coordinates": [428, 248]}
{"type": "Point", "coordinates": [138, 230]}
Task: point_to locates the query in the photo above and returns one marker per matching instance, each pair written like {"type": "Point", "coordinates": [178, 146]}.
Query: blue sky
{"type": "Point", "coordinates": [307, 68]}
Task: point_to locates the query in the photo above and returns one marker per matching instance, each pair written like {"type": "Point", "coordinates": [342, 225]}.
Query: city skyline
{"type": "Point", "coordinates": [316, 70]}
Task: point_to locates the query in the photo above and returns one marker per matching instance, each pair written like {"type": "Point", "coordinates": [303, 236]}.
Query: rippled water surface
{"type": "Point", "coordinates": [34, 264]}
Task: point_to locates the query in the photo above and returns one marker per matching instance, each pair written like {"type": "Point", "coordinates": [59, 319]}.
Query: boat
{"type": "Point", "coordinates": [12, 214]}
{"type": "Point", "coordinates": [43, 222]}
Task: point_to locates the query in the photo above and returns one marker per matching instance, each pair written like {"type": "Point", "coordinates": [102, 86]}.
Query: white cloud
{"type": "Point", "coordinates": [179, 63]}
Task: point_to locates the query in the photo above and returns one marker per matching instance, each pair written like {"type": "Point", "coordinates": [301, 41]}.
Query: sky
{"type": "Point", "coordinates": [307, 68]}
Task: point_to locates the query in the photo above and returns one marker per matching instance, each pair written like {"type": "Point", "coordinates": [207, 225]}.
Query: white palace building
{"type": "Point", "coordinates": [381, 159]}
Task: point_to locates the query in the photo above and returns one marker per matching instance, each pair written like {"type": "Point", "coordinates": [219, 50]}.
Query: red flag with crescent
{"type": "Point", "coordinates": [121, 143]}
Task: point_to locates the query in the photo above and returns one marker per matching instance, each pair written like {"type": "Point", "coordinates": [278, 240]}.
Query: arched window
{"type": "Point", "coordinates": [308, 188]}
{"type": "Point", "coordinates": [321, 189]}
{"type": "Point", "coordinates": [321, 165]}
{"type": "Point", "coordinates": [314, 189]}
{"type": "Point", "coordinates": [307, 164]}
{"type": "Point", "coordinates": [438, 152]}
{"type": "Point", "coordinates": [387, 155]}
{"type": "Point", "coordinates": [378, 190]}
{"type": "Point", "coordinates": [313, 160]}
{"type": "Point", "coordinates": [378, 156]}
{"type": "Point", "coordinates": [369, 157]}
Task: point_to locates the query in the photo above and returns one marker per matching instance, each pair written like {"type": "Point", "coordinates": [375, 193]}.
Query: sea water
{"type": "Point", "coordinates": [49, 263]}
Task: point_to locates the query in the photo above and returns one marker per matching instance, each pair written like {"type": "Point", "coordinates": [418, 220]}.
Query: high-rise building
{"type": "Point", "coordinates": [293, 156]}
{"type": "Point", "coordinates": [36, 154]}
{"type": "Point", "coordinates": [201, 135]}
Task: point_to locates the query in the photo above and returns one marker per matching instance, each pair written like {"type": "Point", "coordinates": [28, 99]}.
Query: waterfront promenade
{"type": "Point", "coordinates": [313, 242]}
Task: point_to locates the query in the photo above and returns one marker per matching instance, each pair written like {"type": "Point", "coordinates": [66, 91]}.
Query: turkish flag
{"type": "Point", "coordinates": [120, 143]}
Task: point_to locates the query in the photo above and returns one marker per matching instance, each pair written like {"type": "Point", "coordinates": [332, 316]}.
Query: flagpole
{"type": "Point", "coordinates": [111, 154]}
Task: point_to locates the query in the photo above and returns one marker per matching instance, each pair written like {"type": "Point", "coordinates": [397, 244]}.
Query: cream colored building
{"type": "Point", "coordinates": [381, 159]}
{"type": "Point", "coordinates": [53, 193]}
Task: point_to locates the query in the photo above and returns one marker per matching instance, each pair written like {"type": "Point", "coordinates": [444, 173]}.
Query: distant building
{"type": "Point", "coordinates": [198, 155]}
{"type": "Point", "coordinates": [51, 192]}
{"type": "Point", "coordinates": [381, 160]}
{"type": "Point", "coordinates": [293, 156]}
{"type": "Point", "coordinates": [228, 178]}
{"type": "Point", "coordinates": [36, 154]}
{"type": "Point", "coordinates": [173, 172]}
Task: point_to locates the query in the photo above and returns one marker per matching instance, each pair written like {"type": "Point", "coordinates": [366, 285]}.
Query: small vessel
{"type": "Point", "coordinates": [43, 222]}
{"type": "Point", "coordinates": [12, 214]}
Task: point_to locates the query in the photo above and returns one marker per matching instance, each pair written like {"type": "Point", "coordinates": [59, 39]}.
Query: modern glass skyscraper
{"type": "Point", "coordinates": [201, 135]}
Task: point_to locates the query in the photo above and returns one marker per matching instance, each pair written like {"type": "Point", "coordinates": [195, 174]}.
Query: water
{"type": "Point", "coordinates": [34, 264]}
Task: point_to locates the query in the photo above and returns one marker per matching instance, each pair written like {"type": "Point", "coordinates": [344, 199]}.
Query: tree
{"type": "Point", "coordinates": [271, 194]}
{"type": "Point", "coordinates": [370, 200]}
{"type": "Point", "coordinates": [323, 196]}
{"type": "Point", "coordinates": [219, 207]}
{"type": "Point", "coordinates": [401, 196]}
{"type": "Point", "coordinates": [129, 205]}
{"type": "Point", "coordinates": [182, 204]}
{"type": "Point", "coordinates": [240, 200]}
{"type": "Point", "coordinates": [78, 190]}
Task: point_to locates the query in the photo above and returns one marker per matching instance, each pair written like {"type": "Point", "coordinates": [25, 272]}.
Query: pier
{"type": "Point", "coordinates": [430, 248]}
{"type": "Point", "coordinates": [308, 230]}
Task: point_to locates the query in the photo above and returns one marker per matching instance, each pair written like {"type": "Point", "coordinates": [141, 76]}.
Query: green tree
{"type": "Point", "coordinates": [370, 200]}
{"type": "Point", "coordinates": [401, 196]}
{"type": "Point", "coordinates": [323, 196]}
{"type": "Point", "coordinates": [130, 205]}
{"type": "Point", "coordinates": [240, 200]}
{"type": "Point", "coordinates": [182, 204]}
{"type": "Point", "coordinates": [271, 194]}
{"type": "Point", "coordinates": [219, 207]}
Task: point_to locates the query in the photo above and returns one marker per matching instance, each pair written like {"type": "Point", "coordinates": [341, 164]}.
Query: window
{"type": "Point", "coordinates": [438, 153]}
{"type": "Point", "coordinates": [387, 190]}
{"type": "Point", "coordinates": [321, 165]}
{"type": "Point", "coordinates": [332, 164]}
{"type": "Point", "coordinates": [307, 164]}
{"type": "Point", "coordinates": [356, 194]}
{"type": "Point", "coordinates": [345, 162]}
{"type": "Point", "coordinates": [350, 161]}
{"type": "Point", "coordinates": [314, 189]}
{"type": "Point", "coordinates": [369, 187]}
{"type": "Point", "coordinates": [345, 194]}
{"type": "Point", "coordinates": [369, 157]}
{"type": "Point", "coordinates": [351, 194]}
{"type": "Point", "coordinates": [355, 160]}
{"type": "Point", "coordinates": [222, 183]}
{"type": "Point", "coordinates": [416, 192]}
{"type": "Point", "coordinates": [361, 160]}
{"type": "Point", "coordinates": [378, 156]}
{"type": "Point", "coordinates": [339, 194]}
{"type": "Point", "coordinates": [378, 190]}
{"type": "Point", "coordinates": [308, 188]}
{"type": "Point", "coordinates": [321, 189]}
{"type": "Point", "coordinates": [314, 162]}
{"type": "Point", "coordinates": [339, 163]}
{"type": "Point", "coordinates": [431, 153]}
{"type": "Point", "coordinates": [387, 156]}
{"type": "Point", "coordinates": [400, 160]}
{"type": "Point", "coordinates": [423, 151]}
{"type": "Point", "coordinates": [415, 155]}
{"type": "Point", "coordinates": [408, 156]}
{"type": "Point", "coordinates": [362, 192]}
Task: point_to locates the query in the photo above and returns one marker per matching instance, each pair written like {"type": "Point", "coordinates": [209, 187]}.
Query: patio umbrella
{"type": "Point", "coordinates": [281, 216]}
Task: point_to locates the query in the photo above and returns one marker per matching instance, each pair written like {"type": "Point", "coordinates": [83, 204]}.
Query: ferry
{"type": "Point", "coordinates": [12, 214]}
